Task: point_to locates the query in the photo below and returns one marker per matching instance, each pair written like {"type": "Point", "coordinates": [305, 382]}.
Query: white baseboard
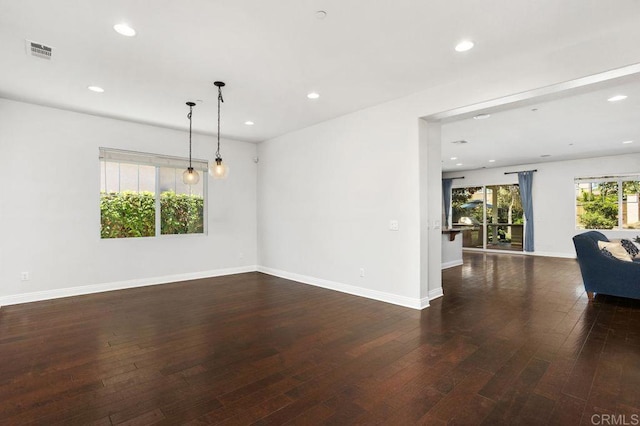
{"type": "Point", "coordinates": [451, 264]}
{"type": "Point", "coordinates": [168, 279]}
{"type": "Point", "coordinates": [407, 302]}
{"type": "Point", "coordinates": [523, 253]}
{"type": "Point", "coordinates": [434, 294]}
{"type": "Point", "coordinates": [424, 303]}
{"type": "Point", "coordinates": [552, 254]}
{"type": "Point", "coordinates": [119, 285]}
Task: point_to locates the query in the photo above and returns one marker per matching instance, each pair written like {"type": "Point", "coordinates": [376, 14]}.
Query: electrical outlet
{"type": "Point", "coordinates": [361, 272]}
{"type": "Point", "coordinates": [24, 276]}
{"type": "Point", "coordinates": [393, 225]}
{"type": "Point", "coordinates": [241, 255]}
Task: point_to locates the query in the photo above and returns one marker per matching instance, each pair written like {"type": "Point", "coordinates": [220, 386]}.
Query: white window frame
{"type": "Point", "coordinates": [599, 179]}
{"type": "Point", "coordinates": [158, 161]}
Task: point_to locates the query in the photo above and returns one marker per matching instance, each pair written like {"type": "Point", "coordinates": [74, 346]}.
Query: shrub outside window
{"type": "Point", "coordinates": [142, 195]}
{"type": "Point", "coordinates": [608, 203]}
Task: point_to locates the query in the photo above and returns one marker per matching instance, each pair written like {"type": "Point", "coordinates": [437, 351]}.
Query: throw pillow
{"type": "Point", "coordinates": [630, 247]}
{"type": "Point", "coordinates": [615, 249]}
{"type": "Point", "coordinates": [607, 253]}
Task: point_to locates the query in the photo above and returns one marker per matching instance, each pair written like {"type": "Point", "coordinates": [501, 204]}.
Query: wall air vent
{"type": "Point", "coordinates": [39, 50]}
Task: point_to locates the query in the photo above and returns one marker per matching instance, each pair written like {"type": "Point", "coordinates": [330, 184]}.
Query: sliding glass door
{"type": "Point", "coordinates": [467, 214]}
{"type": "Point", "coordinates": [490, 217]}
{"type": "Point", "coordinates": [505, 218]}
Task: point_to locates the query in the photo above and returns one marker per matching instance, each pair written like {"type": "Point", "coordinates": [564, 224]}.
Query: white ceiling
{"type": "Point", "coordinates": [575, 125]}
{"type": "Point", "coordinates": [272, 53]}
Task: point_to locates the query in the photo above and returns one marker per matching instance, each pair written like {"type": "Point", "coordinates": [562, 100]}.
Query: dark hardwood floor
{"type": "Point", "coordinates": [514, 341]}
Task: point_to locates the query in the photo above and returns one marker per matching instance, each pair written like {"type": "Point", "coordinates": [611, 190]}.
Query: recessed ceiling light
{"type": "Point", "coordinates": [321, 14]}
{"type": "Point", "coordinates": [458, 164]}
{"type": "Point", "coordinates": [464, 45]}
{"type": "Point", "coordinates": [617, 98]}
{"type": "Point", "coordinates": [545, 155]}
{"type": "Point", "coordinates": [96, 89]}
{"type": "Point", "coordinates": [627, 142]}
{"type": "Point", "coordinates": [454, 158]}
{"type": "Point", "coordinates": [481, 116]}
{"type": "Point", "coordinates": [460, 142]}
{"type": "Point", "coordinates": [249, 123]}
{"type": "Point", "coordinates": [124, 29]}
{"type": "Point", "coordinates": [492, 161]}
{"type": "Point", "coordinates": [313, 95]}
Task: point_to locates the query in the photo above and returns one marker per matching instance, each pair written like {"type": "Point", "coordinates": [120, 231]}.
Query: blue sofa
{"type": "Point", "coordinates": [602, 273]}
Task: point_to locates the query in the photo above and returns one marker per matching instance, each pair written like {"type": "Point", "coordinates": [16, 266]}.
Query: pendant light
{"type": "Point", "coordinates": [218, 169]}
{"type": "Point", "coordinates": [190, 176]}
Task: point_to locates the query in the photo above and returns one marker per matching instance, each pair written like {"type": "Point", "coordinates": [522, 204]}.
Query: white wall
{"type": "Point", "coordinates": [451, 251]}
{"type": "Point", "coordinates": [430, 190]}
{"type": "Point", "coordinates": [327, 192]}
{"type": "Point", "coordinates": [554, 196]}
{"type": "Point", "coordinates": [50, 217]}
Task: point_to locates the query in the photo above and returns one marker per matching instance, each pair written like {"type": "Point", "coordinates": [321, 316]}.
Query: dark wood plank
{"type": "Point", "coordinates": [514, 341]}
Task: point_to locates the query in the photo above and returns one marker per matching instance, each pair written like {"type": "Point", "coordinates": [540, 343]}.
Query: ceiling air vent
{"type": "Point", "coordinates": [39, 50]}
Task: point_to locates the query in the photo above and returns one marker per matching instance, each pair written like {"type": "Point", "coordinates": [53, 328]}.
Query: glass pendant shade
{"type": "Point", "coordinates": [190, 176]}
{"type": "Point", "coordinates": [218, 170]}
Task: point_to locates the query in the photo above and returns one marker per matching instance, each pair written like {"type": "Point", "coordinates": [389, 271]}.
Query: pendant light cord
{"type": "Point", "coordinates": [219, 100]}
{"type": "Point", "coordinates": [189, 117]}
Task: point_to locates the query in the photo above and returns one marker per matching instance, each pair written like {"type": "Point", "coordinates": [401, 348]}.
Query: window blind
{"type": "Point", "coordinates": [158, 160]}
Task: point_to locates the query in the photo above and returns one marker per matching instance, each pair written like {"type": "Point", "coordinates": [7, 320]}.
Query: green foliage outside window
{"type": "Point", "coordinates": [600, 211]}
{"type": "Point", "coordinates": [127, 214]}
{"type": "Point", "coordinates": [131, 214]}
{"type": "Point", "coordinates": [509, 205]}
{"type": "Point", "coordinates": [461, 196]}
{"type": "Point", "coordinates": [599, 204]}
{"type": "Point", "coordinates": [181, 213]}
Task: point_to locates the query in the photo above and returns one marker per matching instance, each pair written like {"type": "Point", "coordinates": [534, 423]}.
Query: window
{"type": "Point", "coordinates": [490, 217]}
{"type": "Point", "coordinates": [608, 203]}
{"type": "Point", "coordinates": [467, 211]}
{"type": "Point", "coordinates": [505, 217]}
{"type": "Point", "coordinates": [142, 195]}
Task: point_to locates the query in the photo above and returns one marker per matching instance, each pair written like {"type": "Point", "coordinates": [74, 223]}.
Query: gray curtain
{"type": "Point", "coordinates": [446, 197]}
{"type": "Point", "coordinates": [525, 179]}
